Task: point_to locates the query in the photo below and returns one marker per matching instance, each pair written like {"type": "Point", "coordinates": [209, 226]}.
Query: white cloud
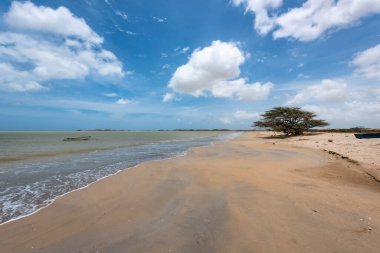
{"type": "Point", "coordinates": [377, 93]}
{"type": "Point", "coordinates": [351, 113]}
{"type": "Point", "coordinates": [180, 50]}
{"type": "Point", "coordinates": [165, 66]}
{"type": "Point", "coordinates": [168, 97]}
{"type": "Point", "coordinates": [128, 73]}
{"type": "Point", "coordinates": [327, 90]}
{"type": "Point", "coordinates": [185, 50]}
{"type": "Point", "coordinates": [368, 62]}
{"type": "Point", "coordinates": [127, 32]}
{"type": "Point", "coordinates": [316, 17]}
{"type": "Point", "coordinates": [130, 33]}
{"type": "Point", "coordinates": [263, 23]}
{"type": "Point", "coordinates": [226, 120]}
{"type": "Point", "coordinates": [122, 14]}
{"type": "Point", "coordinates": [240, 116]}
{"type": "Point", "coordinates": [244, 115]}
{"type": "Point", "coordinates": [242, 90]}
{"type": "Point", "coordinates": [310, 21]}
{"type": "Point", "coordinates": [27, 16]}
{"type": "Point", "coordinates": [302, 75]}
{"type": "Point", "coordinates": [37, 57]}
{"type": "Point", "coordinates": [215, 71]}
{"type": "Point", "coordinates": [159, 19]}
{"type": "Point", "coordinates": [12, 79]}
{"type": "Point", "coordinates": [346, 102]}
{"type": "Point", "coordinates": [111, 95]}
{"type": "Point", "coordinates": [124, 101]}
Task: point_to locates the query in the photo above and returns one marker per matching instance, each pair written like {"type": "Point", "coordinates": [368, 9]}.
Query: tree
{"type": "Point", "coordinates": [289, 120]}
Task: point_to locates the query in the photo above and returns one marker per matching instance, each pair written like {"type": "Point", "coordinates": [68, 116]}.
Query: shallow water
{"type": "Point", "coordinates": [36, 167]}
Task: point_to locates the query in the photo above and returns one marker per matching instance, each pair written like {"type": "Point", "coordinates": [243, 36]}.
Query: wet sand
{"type": "Point", "coordinates": [244, 195]}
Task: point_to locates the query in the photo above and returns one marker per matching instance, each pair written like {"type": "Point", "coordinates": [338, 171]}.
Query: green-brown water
{"type": "Point", "coordinates": [36, 167]}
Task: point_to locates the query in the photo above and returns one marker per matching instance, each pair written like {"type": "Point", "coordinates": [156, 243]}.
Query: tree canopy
{"type": "Point", "coordinates": [289, 120]}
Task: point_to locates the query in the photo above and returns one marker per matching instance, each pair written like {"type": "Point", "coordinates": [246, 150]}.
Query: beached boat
{"type": "Point", "coordinates": [367, 135]}
{"type": "Point", "coordinates": [84, 138]}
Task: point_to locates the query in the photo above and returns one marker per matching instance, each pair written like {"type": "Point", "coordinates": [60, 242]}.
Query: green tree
{"type": "Point", "coordinates": [289, 120]}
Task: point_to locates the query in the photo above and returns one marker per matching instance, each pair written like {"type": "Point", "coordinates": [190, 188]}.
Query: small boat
{"type": "Point", "coordinates": [84, 138]}
{"type": "Point", "coordinates": [367, 135]}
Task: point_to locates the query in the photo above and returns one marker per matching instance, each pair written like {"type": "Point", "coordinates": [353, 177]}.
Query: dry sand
{"type": "Point", "coordinates": [245, 195]}
{"type": "Point", "coordinates": [364, 151]}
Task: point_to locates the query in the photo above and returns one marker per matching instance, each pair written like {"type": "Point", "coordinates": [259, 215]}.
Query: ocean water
{"type": "Point", "coordinates": [37, 167]}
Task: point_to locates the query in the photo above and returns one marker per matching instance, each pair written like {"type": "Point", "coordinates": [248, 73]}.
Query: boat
{"type": "Point", "coordinates": [84, 138]}
{"type": "Point", "coordinates": [367, 135]}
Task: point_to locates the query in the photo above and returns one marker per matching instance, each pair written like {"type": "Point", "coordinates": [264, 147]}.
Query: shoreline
{"type": "Point", "coordinates": [226, 136]}
{"type": "Point", "coordinates": [212, 200]}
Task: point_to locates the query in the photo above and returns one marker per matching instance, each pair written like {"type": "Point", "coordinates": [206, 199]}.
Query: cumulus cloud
{"type": "Point", "coordinates": [16, 80]}
{"type": "Point", "coordinates": [316, 17]}
{"type": "Point", "coordinates": [328, 90]}
{"type": "Point", "coordinates": [368, 62]}
{"type": "Point", "coordinates": [27, 16]}
{"type": "Point", "coordinates": [352, 112]}
{"type": "Point", "coordinates": [36, 56]}
{"type": "Point", "coordinates": [310, 21]}
{"type": "Point", "coordinates": [263, 22]}
{"type": "Point", "coordinates": [342, 102]}
{"type": "Point", "coordinates": [215, 71]}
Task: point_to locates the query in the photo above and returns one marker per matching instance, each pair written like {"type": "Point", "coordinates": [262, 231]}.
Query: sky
{"type": "Point", "coordinates": [173, 64]}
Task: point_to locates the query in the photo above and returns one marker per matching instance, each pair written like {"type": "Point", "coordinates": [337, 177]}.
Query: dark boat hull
{"type": "Point", "coordinates": [85, 138]}
{"type": "Point", "coordinates": [367, 135]}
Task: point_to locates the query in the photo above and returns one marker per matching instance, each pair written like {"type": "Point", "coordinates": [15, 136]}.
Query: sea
{"type": "Point", "coordinates": [38, 167]}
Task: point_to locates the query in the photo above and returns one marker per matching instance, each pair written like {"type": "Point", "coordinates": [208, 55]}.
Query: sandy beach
{"type": "Point", "coordinates": [364, 151]}
{"type": "Point", "coordinates": [249, 194]}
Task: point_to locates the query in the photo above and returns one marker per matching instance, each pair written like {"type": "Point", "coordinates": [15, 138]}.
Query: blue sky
{"type": "Point", "coordinates": [167, 64]}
